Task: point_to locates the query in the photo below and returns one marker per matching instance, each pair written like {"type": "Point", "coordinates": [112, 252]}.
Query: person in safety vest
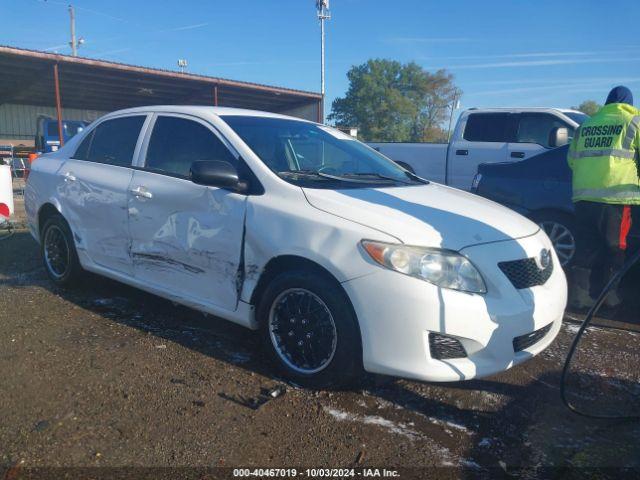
{"type": "Point", "coordinates": [606, 189]}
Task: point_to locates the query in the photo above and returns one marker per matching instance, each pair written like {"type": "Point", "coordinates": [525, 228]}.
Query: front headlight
{"type": "Point", "coordinates": [443, 268]}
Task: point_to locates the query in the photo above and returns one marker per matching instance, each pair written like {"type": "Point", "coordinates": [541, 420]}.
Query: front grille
{"type": "Point", "coordinates": [526, 273]}
{"type": "Point", "coordinates": [443, 347]}
{"type": "Point", "coordinates": [525, 341]}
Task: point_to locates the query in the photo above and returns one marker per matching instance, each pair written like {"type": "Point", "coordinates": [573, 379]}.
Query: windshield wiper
{"type": "Point", "coordinates": [343, 178]}
{"type": "Point", "coordinates": [380, 176]}
{"type": "Point", "coordinates": [322, 175]}
{"type": "Point", "coordinates": [348, 177]}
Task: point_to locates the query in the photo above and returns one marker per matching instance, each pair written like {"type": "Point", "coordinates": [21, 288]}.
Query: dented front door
{"type": "Point", "coordinates": [186, 238]}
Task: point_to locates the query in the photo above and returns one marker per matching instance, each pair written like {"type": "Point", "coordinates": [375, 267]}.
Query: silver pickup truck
{"type": "Point", "coordinates": [486, 136]}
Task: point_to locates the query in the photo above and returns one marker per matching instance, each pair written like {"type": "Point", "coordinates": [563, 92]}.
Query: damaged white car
{"type": "Point", "coordinates": [341, 259]}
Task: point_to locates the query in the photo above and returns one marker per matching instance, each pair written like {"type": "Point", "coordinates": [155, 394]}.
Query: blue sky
{"type": "Point", "coordinates": [502, 53]}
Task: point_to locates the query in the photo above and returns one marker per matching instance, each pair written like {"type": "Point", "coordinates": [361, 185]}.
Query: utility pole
{"type": "Point", "coordinates": [74, 43]}
{"type": "Point", "coordinates": [323, 14]}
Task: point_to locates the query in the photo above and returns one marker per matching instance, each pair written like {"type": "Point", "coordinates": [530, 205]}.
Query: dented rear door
{"type": "Point", "coordinates": [94, 189]}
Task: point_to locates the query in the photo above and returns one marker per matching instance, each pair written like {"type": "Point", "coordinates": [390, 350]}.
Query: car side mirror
{"type": "Point", "coordinates": [558, 137]}
{"type": "Point", "coordinates": [217, 173]}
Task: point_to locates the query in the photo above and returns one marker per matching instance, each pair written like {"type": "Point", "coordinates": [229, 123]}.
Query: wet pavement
{"type": "Point", "coordinates": [108, 376]}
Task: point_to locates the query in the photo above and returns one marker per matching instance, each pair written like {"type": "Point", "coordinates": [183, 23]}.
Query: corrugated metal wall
{"type": "Point", "coordinates": [308, 112]}
{"type": "Point", "coordinates": [20, 121]}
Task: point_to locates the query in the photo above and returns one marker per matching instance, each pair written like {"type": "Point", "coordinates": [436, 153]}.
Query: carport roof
{"type": "Point", "coordinates": [27, 78]}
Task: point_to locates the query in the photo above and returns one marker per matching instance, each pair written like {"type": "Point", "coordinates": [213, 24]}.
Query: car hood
{"type": "Point", "coordinates": [427, 215]}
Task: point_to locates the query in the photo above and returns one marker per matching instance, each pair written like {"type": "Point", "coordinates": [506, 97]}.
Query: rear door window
{"type": "Point", "coordinates": [82, 153]}
{"type": "Point", "coordinates": [537, 127]}
{"type": "Point", "coordinates": [113, 142]}
{"type": "Point", "coordinates": [488, 127]}
{"type": "Point", "coordinates": [178, 142]}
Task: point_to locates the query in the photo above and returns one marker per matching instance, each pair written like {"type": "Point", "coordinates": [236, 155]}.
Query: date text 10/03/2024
{"type": "Point", "coordinates": [316, 472]}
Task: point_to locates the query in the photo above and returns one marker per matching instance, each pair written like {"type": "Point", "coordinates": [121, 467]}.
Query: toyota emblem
{"type": "Point", "coordinates": [545, 258]}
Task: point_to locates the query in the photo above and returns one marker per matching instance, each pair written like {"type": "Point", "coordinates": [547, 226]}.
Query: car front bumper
{"type": "Point", "coordinates": [396, 313]}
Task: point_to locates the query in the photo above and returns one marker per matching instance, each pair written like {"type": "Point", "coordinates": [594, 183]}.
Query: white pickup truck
{"type": "Point", "coordinates": [486, 136]}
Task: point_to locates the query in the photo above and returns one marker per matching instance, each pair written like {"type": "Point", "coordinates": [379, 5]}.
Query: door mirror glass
{"type": "Point", "coordinates": [216, 173]}
{"type": "Point", "coordinates": [558, 137]}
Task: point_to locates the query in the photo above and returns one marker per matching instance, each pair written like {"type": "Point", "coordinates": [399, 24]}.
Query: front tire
{"type": "Point", "coordinates": [309, 330]}
{"type": "Point", "coordinates": [59, 252]}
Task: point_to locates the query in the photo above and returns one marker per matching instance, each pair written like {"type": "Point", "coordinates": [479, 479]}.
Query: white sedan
{"type": "Point", "coordinates": [341, 259]}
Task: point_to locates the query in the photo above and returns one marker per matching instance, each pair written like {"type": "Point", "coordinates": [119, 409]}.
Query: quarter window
{"type": "Point", "coordinates": [112, 142]}
{"type": "Point", "coordinates": [177, 142]}
{"type": "Point", "coordinates": [488, 127]}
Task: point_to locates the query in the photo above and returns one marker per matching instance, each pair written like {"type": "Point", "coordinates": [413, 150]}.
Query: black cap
{"type": "Point", "coordinates": [620, 94]}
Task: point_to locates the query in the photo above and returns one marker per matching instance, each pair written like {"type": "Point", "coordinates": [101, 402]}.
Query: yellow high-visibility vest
{"type": "Point", "coordinates": [604, 156]}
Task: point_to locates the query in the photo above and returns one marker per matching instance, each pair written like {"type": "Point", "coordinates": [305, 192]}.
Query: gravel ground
{"type": "Point", "coordinates": [108, 376]}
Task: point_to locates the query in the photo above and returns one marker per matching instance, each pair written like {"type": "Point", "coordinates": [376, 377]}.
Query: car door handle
{"type": "Point", "coordinates": [462, 152]}
{"type": "Point", "coordinates": [69, 177]}
{"type": "Point", "coordinates": [141, 192]}
{"type": "Point", "coordinates": [517, 154]}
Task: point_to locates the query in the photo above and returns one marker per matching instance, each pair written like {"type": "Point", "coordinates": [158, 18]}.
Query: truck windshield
{"type": "Point", "coordinates": [302, 152]}
{"type": "Point", "coordinates": [69, 129]}
{"type": "Point", "coordinates": [577, 117]}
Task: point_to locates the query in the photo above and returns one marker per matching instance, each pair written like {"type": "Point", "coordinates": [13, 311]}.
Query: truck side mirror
{"type": "Point", "coordinates": [558, 137]}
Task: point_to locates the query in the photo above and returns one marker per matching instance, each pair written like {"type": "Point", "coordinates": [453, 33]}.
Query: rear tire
{"type": "Point", "coordinates": [309, 330]}
{"type": "Point", "coordinates": [59, 253]}
{"type": "Point", "coordinates": [561, 230]}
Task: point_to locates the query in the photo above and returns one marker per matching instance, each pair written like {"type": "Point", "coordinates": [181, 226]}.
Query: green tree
{"type": "Point", "coordinates": [391, 101]}
{"type": "Point", "coordinates": [590, 107]}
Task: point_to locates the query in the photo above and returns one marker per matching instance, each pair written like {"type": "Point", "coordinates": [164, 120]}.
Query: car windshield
{"type": "Point", "coordinates": [306, 153]}
{"type": "Point", "coordinates": [577, 117]}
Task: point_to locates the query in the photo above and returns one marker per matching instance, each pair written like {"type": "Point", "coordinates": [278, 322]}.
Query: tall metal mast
{"type": "Point", "coordinates": [323, 14]}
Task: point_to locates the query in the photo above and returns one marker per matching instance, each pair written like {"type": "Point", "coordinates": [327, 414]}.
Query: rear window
{"type": "Point", "coordinates": [487, 127]}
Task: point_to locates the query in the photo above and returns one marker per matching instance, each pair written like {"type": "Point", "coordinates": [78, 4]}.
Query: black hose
{"type": "Point", "coordinates": [563, 379]}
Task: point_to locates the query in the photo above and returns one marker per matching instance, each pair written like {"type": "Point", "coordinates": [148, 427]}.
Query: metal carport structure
{"type": "Point", "coordinates": [49, 79]}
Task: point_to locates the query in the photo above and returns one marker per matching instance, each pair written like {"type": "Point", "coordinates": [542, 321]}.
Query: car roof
{"type": "Point", "coordinates": [204, 110]}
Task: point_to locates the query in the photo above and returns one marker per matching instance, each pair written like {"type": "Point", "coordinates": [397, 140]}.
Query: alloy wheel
{"type": "Point", "coordinates": [562, 239]}
{"type": "Point", "coordinates": [57, 254]}
{"type": "Point", "coordinates": [302, 331]}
